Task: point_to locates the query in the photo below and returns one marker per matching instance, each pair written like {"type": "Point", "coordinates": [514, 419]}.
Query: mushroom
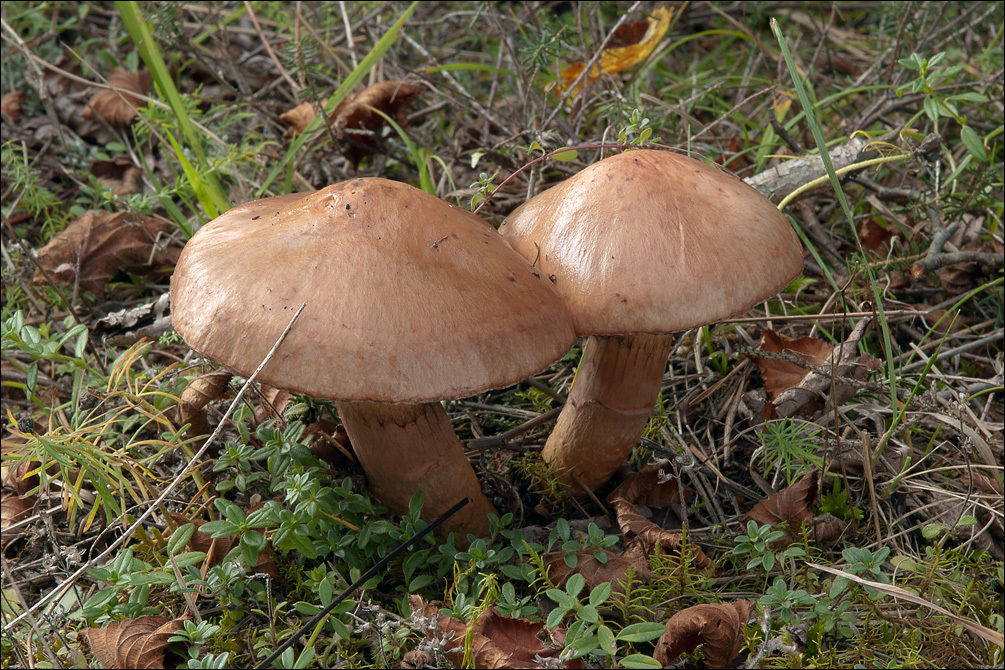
{"type": "Point", "coordinates": [642, 244]}
{"type": "Point", "coordinates": [409, 301]}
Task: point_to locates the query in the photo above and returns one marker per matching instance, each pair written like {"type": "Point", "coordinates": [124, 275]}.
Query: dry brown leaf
{"type": "Point", "coordinates": [718, 627]}
{"type": "Point", "coordinates": [298, 118]}
{"type": "Point", "coordinates": [133, 643]}
{"type": "Point", "coordinates": [14, 508]}
{"type": "Point", "coordinates": [101, 244]}
{"type": "Point", "coordinates": [648, 487]}
{"type": "Point", "coordinates": [497, 641]}
{"type": "Point", "coordinates": [781, 375]}
{"type": "Point", "coordinates": [355, 123]}
{"type": "Point", "coordinates": [359, 128]}
{"type": "Point", "coordinates": [632, 44]}
{"type": "Point", "coordinates": [122, 177]}
{"type": "Point", "coordinates": [274, 401]}
{"type": "Point", "coordinates": [10, 105]}
{"type": "Point", "coordinates": [201, 391]}
{"type": "Point", "coordinates": [811, 393]}
{"type": "Point", "coordinates": [874, 237]}
{"type": "Point", "coordinates": [615, 570]}
{"type": "Point", "coordinates": [118, 107]}
{"type": "Point", "coordinates": [794, 507]}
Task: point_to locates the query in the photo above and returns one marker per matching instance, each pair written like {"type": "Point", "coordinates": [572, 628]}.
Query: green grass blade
{"type": "Point", "coordinates": [212, 197]}
{"type": "Point", "coordinates": [818, 137]}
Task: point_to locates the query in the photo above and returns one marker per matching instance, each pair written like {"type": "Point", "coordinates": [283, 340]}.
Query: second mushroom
{"type": "Point", "coordinates": [642, 244]}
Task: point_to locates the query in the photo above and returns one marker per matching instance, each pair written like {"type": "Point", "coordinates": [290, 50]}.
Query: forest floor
{"type": "Point", "coordinates": [820, 483]}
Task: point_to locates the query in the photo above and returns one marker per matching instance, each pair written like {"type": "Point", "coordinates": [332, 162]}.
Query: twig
{"type": "Point", "coordinates": [969, 346]}
{"type": "Point", "coordinates": [268, 49]}
{"type": "Point", "coordinates": [66, 584]}
{"type": "Point", "coordinates": [500, 440]}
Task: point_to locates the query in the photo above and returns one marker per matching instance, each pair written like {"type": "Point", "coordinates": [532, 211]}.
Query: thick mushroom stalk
{"type": "Point", "coordinates": [608, 407]}
{"type": "Point", "coordinates": [406, 448]}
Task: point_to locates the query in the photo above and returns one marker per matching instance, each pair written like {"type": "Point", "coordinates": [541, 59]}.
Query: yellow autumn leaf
{"type": "Point", "coordinates": [617, 59]}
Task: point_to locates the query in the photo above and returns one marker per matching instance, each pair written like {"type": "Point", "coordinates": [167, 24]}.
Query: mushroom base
{"type": "Point", "coordinates": [608, 406]}
{"type": "Point", "coordinates": [407, 448]}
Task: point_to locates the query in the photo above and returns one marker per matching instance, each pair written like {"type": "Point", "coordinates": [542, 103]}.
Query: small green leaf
{"type": "Point", "coordinates": [607, 640]}
{"type": "Point", "coordinates": [575, 584]}
{"type": "Point", "coordinates": [420, 582]}
{"type": "Point", "coordinates": [641, 632]}
{"type": "Point", "coordinates": [973, 143]}
{"type": "Point", "coordinates": [219, 528]}
{"type": "Point", "coordinates": [565, 155]}
{"type": "Point", "coordinates": [589, 614]}
{"type": "Point", "coordinates": [180, 538]}
{"type": "Point", "coordinates": [641, 662]}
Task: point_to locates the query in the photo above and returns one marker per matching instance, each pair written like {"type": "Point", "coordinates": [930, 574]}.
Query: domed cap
{"type": "Point", "coordinates": [408, 299]}
{"type": "Point", "coordinates": [653, 242]}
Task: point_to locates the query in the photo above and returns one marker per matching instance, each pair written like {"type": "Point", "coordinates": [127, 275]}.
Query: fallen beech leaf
{"type": "Point", "coordinates": [10, 105]}
{"type": "Point", "coordinates": [615, 570]}
{"type": "Point", "coordinates": [298, 118]}
{"type": "Point", "coordinates": [101, 243]}
{"type": "Point", "coordinates": [648, 487]}
{"type": "Point", "coordinates": [793, 506]}
{"type": "Point", "coordinates": [496, 641]}
{"type": "Point", "coordinates": [13, 508]}
{"type": "Point", "coordinates": [639, 39]}
{"type": "Point", "coordinates": [118, 107]}
{"type": "Point", "coordinates": [811, 393]}
{"type": "Point", "coordinates": [201, 391]}
{"type": "Point", "coordinates": [874, 237]}
{"type": "Point", "coordinates": [718, 627]}
{"type": "Point", "coordinates": [780, 375]}
{"type": "Point", "coordinates": [122, 177]}
{"type": "Point", "coordinates": [354, 120]}
{"type": "Point", "coordinates": [133, 643]}
{"type": "Point", "coordinates": [70, 93]}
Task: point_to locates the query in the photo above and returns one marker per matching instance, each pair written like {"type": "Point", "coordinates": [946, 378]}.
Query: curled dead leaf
{"type": "Point", "coordinates": [718, 627]}
{"type": "Point", "coordinates": [122, 177]}
{"type": "Point", "coordinates": [631, 44]}
{"type": "Point", "coordinates": [201, 391]}
{"type": "Point", "coordinates": [117, 105]}
{"type": "Point", "coordinates": [298, 118]}
{"type": "Point", "coordinates": [101, 243]}
{"type": "Point", "coordinates": [133, 643]}
{"type": "Point", "coordinates": [497, 641]}
{"type": "Point", "coordinates": [793, 506]}
{"type": "Point", "coordinates": [796, 390]}
{"type": "Point", "coordinates": [615, 570]}
{"type": "Point", "coordinates": [10, 105]}
{"type": "Point", "coordinates": [14, 508]}
{"type": "Point", "coordinates": [354, 120]}
{"type": "Point", "coordinates": [780, 375]}
{"type": "Point", "coordinates": [648, 487]}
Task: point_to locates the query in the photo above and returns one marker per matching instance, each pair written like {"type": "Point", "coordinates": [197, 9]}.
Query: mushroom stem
{"type": "Point", "coordinates": [608, 406]}
{"type": "Point", "coordinates": [405, 448]}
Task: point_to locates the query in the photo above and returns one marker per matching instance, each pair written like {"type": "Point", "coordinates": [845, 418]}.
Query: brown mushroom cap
{"type": "Point", "coordinates": [653, 242]}
{"type": "Point", "coordinates": [408, 299]}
